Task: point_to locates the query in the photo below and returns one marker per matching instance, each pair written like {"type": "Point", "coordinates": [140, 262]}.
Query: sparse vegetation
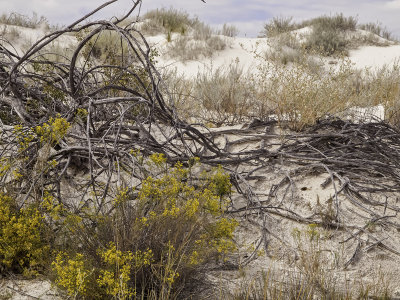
{"type": "Point", "coordinates": [309, 279]}
{"type": "Point", "coordinates": [329, 36]}
{"type": "Point", "coordinates": [108, 189]}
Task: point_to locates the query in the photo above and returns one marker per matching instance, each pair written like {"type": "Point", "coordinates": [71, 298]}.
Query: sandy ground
{"type": "Point", "coordinates": [28, 36]}
{"type": "Point", "coordinates": [28, 290]}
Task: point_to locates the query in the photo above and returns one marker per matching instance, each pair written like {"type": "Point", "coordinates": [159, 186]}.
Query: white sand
{"type": "Point", "coordinates": [375, 57]}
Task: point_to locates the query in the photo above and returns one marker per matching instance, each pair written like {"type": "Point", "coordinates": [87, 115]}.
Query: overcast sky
{"type": "Point", "coordinates": [247, 15]}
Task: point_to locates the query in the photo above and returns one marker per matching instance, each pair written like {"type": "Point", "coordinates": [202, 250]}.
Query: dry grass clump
{"type": "Point", "coordinates": [229, 30]}
{"type": "Point", "coordinates": [223, 96]}
{"type": "Point", "coordinates": [226, 95]}
{"type": "Point", "coordinates": [301, 96]}
{"type": "Point", "coordinates": [380, 87]}
{"type": "Point", "coordinates": [277, 26]}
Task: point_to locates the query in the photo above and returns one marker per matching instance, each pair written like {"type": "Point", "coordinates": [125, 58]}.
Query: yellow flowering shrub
{"type": "Point", "coordinates": [115, 277]}
{"type": "Point", "coordinates": [22, 249]}
{"type": "Point", "coordinates": [53, 131]}
{"type": "Point", "coordinates": [72, 274]}
{"type": "Point", "coordinates": [187, 217]}
{"type": "Point", "coordinates": [153, 239]}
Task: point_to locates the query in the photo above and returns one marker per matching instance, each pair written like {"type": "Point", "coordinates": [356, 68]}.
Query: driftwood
{"type": "Point", "coordinates": [129, 108]}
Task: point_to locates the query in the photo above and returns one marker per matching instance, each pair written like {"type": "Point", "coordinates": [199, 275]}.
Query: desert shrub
{"type": "Point", "coordinates": [326, 41]}
{"type": "Point", "coordinates": [23, 249]}
{"type": "Point", "coordinates": [14, 18]}
{"type": "Point", "coordinates": [329, 34]}
{"type": "Point", "coordinates": [167, 20]}
{"type": "Point", "coordinates": [229, 30]}
{"type": "Point", "coordinates": [299, 96]}
{"type": "Point", "coordinates": [277, 26]}
{"type": "Point", "coordinates": [151, 243]}
{"type": "Point", "coordinates": [195, 40]}
{"type": "Point", "coordinates": [337, 22]}
{"type": "Point", "coordinates": [226, 95]}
